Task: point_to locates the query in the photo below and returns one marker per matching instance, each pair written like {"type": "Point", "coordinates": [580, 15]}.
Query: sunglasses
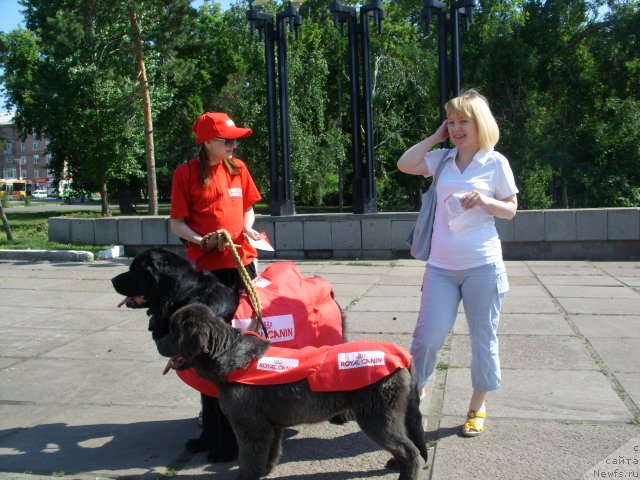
{"type": "Point", "coordinates": [228, 142]}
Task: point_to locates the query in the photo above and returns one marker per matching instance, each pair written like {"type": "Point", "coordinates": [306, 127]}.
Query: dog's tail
{"type": "Point", "coordinates": [413, 419]}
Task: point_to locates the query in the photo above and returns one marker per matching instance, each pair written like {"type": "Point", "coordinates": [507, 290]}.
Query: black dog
{"type": "Point", "coordinates": [387, 411]}
{"type": "Point", "coordinates": [163, 282]}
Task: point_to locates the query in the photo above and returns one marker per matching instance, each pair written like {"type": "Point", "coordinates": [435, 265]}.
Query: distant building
{"type": "Point", "coordinates": [28, 160]}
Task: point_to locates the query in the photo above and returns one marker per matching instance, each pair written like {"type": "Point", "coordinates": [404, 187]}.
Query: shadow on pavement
{"type": "Point", "coordinates": [59, 447]}
{"type": "Point", "coordinates": [148, 446]}
{"type": "Point", "coordinates": [444, 432]}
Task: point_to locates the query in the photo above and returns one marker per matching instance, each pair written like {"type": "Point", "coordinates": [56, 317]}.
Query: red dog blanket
{"type": "Point", "coordinates": [335, 368]}
{"type": "Point", "coordinates": [297, 311]}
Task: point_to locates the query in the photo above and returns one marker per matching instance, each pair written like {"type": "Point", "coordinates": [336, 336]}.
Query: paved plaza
{"type": "Point", "coordinates": [82, 393]}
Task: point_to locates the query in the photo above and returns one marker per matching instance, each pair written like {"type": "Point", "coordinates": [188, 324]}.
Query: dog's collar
{"type": "Point", "coordinates": [245, 332]}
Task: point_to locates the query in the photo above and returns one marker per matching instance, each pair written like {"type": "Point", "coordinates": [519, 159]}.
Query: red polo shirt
{"type": "Point", "coordinates": [221, 205]}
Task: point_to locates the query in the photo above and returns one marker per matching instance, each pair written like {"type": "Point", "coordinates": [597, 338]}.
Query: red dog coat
{"type": "Point", "coordinates": [297, 311]}
{"type": "Point", "coordinates": [335, 368]}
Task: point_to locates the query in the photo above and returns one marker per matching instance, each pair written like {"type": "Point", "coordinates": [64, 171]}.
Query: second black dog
{"type": "Point", "coordinates": [387, 411]}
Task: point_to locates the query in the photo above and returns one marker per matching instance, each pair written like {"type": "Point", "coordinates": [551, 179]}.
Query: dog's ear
{"type": "Point", "coordinates": [146, 265]}
{"type": "Point", "coordinates": [191, 326]}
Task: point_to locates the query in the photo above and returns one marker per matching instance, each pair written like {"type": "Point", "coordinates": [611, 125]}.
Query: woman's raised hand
{"type": "Point", "coordinates": [442, 134]}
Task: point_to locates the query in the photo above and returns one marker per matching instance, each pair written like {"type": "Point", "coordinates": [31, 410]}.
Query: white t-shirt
{"type": "Point", "coordinates": [476, 243]}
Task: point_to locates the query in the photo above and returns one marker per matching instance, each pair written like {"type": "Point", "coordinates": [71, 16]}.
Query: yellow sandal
{"type": "Point", "coordinates": [474, 423]}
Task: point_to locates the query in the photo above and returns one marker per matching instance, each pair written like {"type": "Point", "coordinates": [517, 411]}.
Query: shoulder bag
{"type": "Point", "coordinates": [420, 237]}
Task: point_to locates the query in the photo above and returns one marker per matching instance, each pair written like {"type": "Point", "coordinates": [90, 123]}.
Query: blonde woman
{"type": "Point", "coordinates": [476, 184]}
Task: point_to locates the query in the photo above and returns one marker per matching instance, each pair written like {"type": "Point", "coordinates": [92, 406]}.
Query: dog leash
{"type": "Point", "coordinates": [224, 237]}
{"type": "Point", "coordinates": [219, 238]}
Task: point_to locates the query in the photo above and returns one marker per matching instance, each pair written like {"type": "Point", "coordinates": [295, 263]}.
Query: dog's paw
{"type": "Point", "coordinates": [222, 455]}
{"type": "Point", "coordinates": [197, 445]}
{"type": "Point", "coordinates": [342, 418]}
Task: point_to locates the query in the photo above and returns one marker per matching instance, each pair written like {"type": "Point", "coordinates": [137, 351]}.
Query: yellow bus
{"type": "Point", "coordinates": [16, 189]}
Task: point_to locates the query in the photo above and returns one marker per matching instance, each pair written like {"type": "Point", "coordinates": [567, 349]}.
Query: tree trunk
{"type": "Point", "coordinates": [148, 121]}
{"type": "Point", "coordinates": [125, 197]}
{"type": "Point", "coordinates": [104, 198]}
{"type": "Point", "coordinates": [416, 198]}
{"type": "Point", "coordinates": [5, 222]}
{"type": "Point", "coordinates": [565, 194]}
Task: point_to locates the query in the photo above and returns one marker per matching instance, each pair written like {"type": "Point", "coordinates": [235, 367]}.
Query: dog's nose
{"type": "Point", "coordinates": [165, 346]}
{"type": "Point", "coordinates": [115, 281]}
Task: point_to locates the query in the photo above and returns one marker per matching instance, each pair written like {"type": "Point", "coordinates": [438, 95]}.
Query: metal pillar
{"type": "Point", "coordinates": [287, 17]}
{"type": "Point", "coordinates": [345, 14]}
{"type": "Point", "coordinates": [367, 12]}
{"type": "Point", "coordinates": [452, 26]}
{"type": "Point", "coordinates": [365, 197]}
{"type": "Point", "coordinates": [282, 198]}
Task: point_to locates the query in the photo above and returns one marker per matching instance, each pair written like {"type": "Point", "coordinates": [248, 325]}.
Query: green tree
{"type": "Point", "coordinates": [406, 100]}
{"type": "Point", "coordinates": [555, 70]}
{"type": "Point", "coordinates": [72, 77]}
{"type": "Point", "coordinates": [65, 86]}
{"type": "Point", "coordinates": [561, 77]}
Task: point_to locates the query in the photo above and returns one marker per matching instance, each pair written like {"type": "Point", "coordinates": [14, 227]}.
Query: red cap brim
{"type": "Point", "coordinates": [236, 132]}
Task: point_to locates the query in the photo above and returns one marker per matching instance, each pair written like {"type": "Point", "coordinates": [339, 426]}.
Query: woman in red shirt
{"type": "Point", "coordinates": [215, 191]}
{"type": "Point", "coordinates": [211, 192]}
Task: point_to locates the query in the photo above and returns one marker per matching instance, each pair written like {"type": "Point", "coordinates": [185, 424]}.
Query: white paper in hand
{"type": "Point", "coordinates": [261, 244]}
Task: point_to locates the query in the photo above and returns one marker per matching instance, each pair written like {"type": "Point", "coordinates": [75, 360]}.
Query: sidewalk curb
{"type": "Point", "coordinates": [47, 255]}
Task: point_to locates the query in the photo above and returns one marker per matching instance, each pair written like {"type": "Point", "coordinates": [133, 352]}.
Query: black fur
{"type": "Point", "coordinates": [164, 282]}
{"type": "Point", "coordinates": [387, 411]}
{"type": "Point", "coordinates": [167, 282]}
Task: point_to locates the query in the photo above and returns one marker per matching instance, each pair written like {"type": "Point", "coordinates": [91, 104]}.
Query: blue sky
{"type": "Point", "coordinates": [10, 18]}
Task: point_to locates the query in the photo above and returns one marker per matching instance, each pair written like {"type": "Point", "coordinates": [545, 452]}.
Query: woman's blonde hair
{"type": "Point", "coordinates": [473, 105]}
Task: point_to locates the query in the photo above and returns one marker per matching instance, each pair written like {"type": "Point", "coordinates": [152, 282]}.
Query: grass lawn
{"type": "Point", "coordinates": [31, 231]}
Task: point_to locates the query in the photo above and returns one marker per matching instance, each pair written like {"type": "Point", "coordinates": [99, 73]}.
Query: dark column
{"type": "Point", "coordinates": [445, 26]}
{"type": "Point", "coordinates": [282, 200]}
{"type": "Point", "coordinates": [364, 187]}
{"type": "Point", "coordinates": [276, 191]}
{"type": "Point", "coordinates": [372, 10]}
{"type": "Point", "coordinates": [442, 62]}
{"type": "Point", "coordinates": [286, 185]}
{"type": "Point", "coordinates": [345, 14]}
{"type": "Point", "coordinates": [455, 52]}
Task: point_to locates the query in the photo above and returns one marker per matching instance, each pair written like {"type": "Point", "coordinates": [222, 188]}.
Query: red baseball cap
{"type": "Point", "coordinates": [217, 125]}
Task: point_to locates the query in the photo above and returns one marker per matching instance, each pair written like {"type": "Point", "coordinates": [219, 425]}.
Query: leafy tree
{"type": "Point", "coordinates": [406, 100]}
{"type": "Point", "coordinates": [66, 87]}
{"type": "Point", "coordinates": [73, 78]}
{"type": "Point", "coordinates": [554, 71]}
{"type": "Point", "coordinates": [561, 77]}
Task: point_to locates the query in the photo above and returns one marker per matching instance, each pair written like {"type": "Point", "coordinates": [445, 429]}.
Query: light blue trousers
{"type": "Point", "coordinates": [481, 290]}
